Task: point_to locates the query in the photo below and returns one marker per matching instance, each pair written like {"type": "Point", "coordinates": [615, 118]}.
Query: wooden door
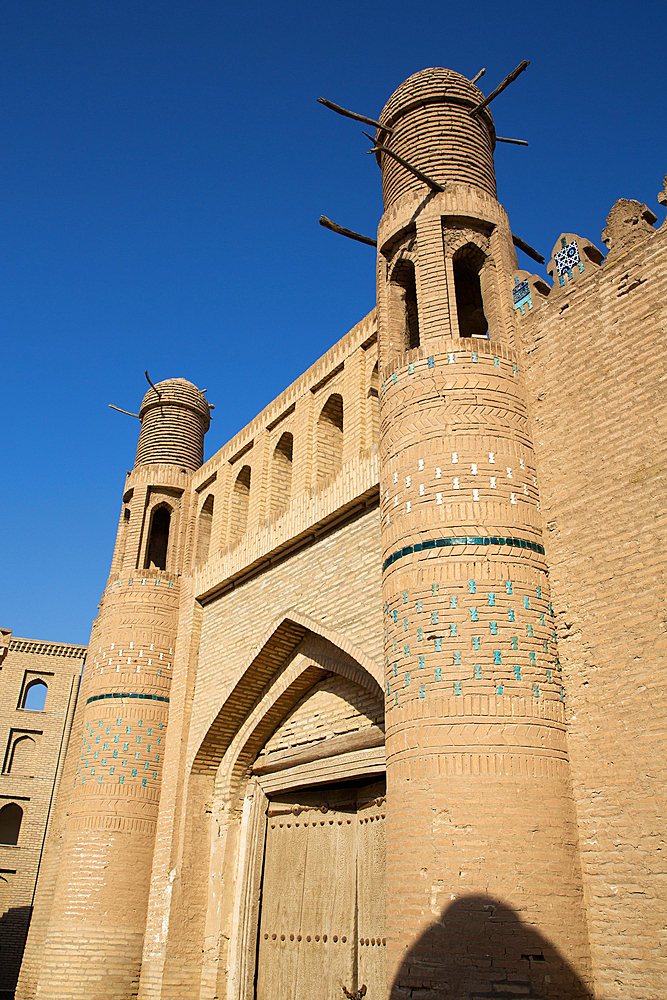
{"type": "Point", "coordinates": [323, 894]}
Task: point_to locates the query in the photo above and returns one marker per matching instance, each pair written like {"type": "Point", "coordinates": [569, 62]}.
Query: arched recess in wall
{"type": "Point", "coordinates": [403, 308]}
{"type": "Point", "coordinates": [374, 405]}
{"type": "Point", "coordinates": [158, 538]}
{"type": "Point", "coordinates": [330, 438]}
{"type": "Point", "coordinates": [467, 264]}
{"type": "Point", "coordinates": [319, 720]}
{"type": "Point", "coordinates": [240, 503]}
{"type": "Point", "coordinates": [281, 473]}
{"type": "Point", "coordinates": [22, 757]}
{"type": "Point", "coordinates": [204, 526]}
{"type": "Point", "coordinates": [11, 817]}
{"type": "Point", "coordinates": [34, 696]}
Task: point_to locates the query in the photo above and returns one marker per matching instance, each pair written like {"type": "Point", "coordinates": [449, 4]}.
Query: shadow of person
{"type": "Point", "coordinates": [481, 949]}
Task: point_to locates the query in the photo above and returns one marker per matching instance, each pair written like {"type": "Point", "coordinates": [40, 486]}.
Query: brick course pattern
{"type": "Point", "coordinates": [436, 559]}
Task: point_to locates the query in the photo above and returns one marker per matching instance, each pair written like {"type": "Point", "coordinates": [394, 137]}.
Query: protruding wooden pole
{"type": "Point", "coordinates": [342, 231]}
{"type": "Point", "coordinates": [527, 249]}
{"type": "Point", "coordinates": [515, 142]}
{"type": "Point", "coordinates": [434, 185]}
{"type": "Point", "coordinates": [499, 89]}
{"type": "Point", "coordinates": [479, 75]}
{"type": "Point", "coordinates": [351, 114]}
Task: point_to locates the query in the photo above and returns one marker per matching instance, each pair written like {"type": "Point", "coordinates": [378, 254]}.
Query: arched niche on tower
{"type": "Point", "coordinates": [159, 531]}
{"type": "Point", "coordinates": [475, 306]}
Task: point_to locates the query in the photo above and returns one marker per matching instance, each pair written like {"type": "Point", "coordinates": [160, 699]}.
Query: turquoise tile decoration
{"type": "Point", "coordinates": [395, 615]}
{"type": "Point", "coordinates": [499, 689]}
{"type": "Point", "coordinates": [452, 629]}
{"type": "Point", "coordinates": [475, 642]}
{"type": "Point", "coordinates": [419, 606]}
{"type": "Point", "coordinates": [517, 672]}
{"type": "Point", "coordinates": [434, 589]}
{"type": "Point", "coordinates": [406, 651]}
{"type": "Point", "coordinates": [536, 691]}
{"type": "Point", "coordinates": [388, 691]}
{"type": "Point", "coordinates": [539, 592]}
{"type": "Point", "coordinates": [496, 656]}
{"type": "Point", "coordinates": [431, 362]}
{"type": "Point", "coordinates": [494, 628]}
{"type": "Point", "coordinates": [421, 691]}
{"type": "Point", "coordinates": [421, 662]}
{"type": "Point", "coordinates": [438, 644]}
{"type": "Point", "coordinates": [508, 586]}
{"type": "Point", "coordinates": [510, 614]}
{"type": "Point", "coordinates": [492, 600]}
{"type": "Point", "coordinates": [395, 669]}
{"type": "Point", "coordinates": [405, 597]}
{"type": "Point", "coordinates": [411, 369]}
{"type": "Point", "coordinates": [545, 644]}
{"type": "Point", "coordinates": [474, 617]}
{"type": "Point", "coordinates": [542, 621]}
{"type": "Point", "coordinates": [452, 601]}
{"type": "Point", "coordinates": [529, 630]}
{"type": "Point", "coordinates": [434, 617]}
{"type": "Point", "coordinates": [532, 658]}
{"type": "Point", "coordinates": [457, 687]}
{"type": "Point", "coordinates": [474, 356]}
{"type": "Point", "coordinates": [419, 635]}
{"type": "Point", "coordinates": [457, 658]}
{"type": "Point", "coordinates": [515, 642]}
{"type": "Point", "coordinates": [407, 678]}
{"type": "Point", "coordinates": [471, 586]}
{"type": "Point", "coordinates": [496, 363]}
{"type": "Point", "coordinates": [405, 624]}
{"type": "Point", "coordinates": [549, 676]}
{"type": "Point", "coordinates": [478, 672]}
{"type": "Point", "coordinates": [438, 673]}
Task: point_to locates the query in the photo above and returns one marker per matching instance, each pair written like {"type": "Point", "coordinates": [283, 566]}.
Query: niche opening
{"type": "Point", "coordinates": [468, 263]}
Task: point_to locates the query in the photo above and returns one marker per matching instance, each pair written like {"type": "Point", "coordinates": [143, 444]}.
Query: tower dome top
{"type": "Point", "coordinates": [175, 415]}
{"type": "Point", "coordinates": [432, 128]}
{"type": "Point", "coordinates": [435, 85]}
{"type": "Point", "coordinates": [176, 392]}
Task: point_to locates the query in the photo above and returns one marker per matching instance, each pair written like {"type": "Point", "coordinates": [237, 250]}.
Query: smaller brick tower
{"type": "Point", "coordinates": [482, 867]}
{"type": "Point", "coordinates": [95, 931]}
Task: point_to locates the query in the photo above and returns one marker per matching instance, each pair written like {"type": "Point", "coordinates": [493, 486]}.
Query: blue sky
{"type": "Point", "coordinates": [163, 169]}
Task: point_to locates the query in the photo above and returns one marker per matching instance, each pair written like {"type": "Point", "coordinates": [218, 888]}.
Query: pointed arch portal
{"type": "Point", "coordinates": [302, 747]}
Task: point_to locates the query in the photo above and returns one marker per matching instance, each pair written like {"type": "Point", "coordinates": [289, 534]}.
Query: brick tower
{"type": "Point", "coordinates": [93, 944]}
{"type": "Point", "coordinates": [482, 870]}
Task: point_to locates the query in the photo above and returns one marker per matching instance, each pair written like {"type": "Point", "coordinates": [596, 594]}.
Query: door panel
{"type": "Point", "coordinates": [307, 925]}
{"type": "Point", "coordinates": [371, 939]}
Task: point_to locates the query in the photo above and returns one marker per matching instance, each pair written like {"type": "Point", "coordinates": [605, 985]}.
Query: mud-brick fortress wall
{"type": "Point", "coordinates": [595, 354]}
{"type": "Point", "coordinates": [33, 740]}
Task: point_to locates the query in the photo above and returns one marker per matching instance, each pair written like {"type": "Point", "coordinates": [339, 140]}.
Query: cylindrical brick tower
{"type": "Point", "coordinates": [484, 890]}
{"type": "Point", "coordinates": [95, 933]}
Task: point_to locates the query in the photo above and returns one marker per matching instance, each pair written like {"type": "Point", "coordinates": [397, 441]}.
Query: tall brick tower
{"type": "Point", "coordinates": [95, 932]}
{"type": "Point", "coordinates": [482, 870]}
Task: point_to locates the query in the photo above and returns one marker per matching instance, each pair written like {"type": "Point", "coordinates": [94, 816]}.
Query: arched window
{"type": "Point", "coordinates": [468, 262]}
{"type": "Point", "coordinates": [281, 473]}
{"type": "Point", "coordinates": [404, 314]}
{"type": "Point", "coordinates": [330, 438]}
{"type": "Point", "coordinates": [34, 696]}
{"type": "Point", "coordinates": [11, 817]}
{"type": "Point", "coordinates": [240, 504]}
{"type": "Point", "coordinates": [22, 758]}
{"type": "Point", "coordinates": [158, 539]}
{"type": "Point", "coordinates": [374, 402]}
{"type": "Point", "coordinates": [204, 529]}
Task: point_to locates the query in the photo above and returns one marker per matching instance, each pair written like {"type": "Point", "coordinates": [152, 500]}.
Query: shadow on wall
{"type": "Point", "coordinates": [14, 925]}
{"type": "Point", "coordinates": [480, 949]}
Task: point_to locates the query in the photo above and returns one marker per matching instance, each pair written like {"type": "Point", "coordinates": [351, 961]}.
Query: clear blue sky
{"type": "Point", "coordinates": [164, 165]}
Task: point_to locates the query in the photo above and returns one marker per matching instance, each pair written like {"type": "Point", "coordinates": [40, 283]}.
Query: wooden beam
{"type": "Point", "coordinates": [515, 142]}
{"type": "Point", "coordinates": [351, 235]}
{"type": "Point", "coordinates": [501, 86]}
{"type": "Point", "coordinates": [527, 249]}
{"type": "Point", "coordinates": [124, 411]}
{"type": "Point", "coordinates": [434, 185]}
{"type": "Point", "coordinates": [279, 760]}
{"type": "Point", "coordinates": [479, 75]}
{"type": "Point", "coordinates": [351, 114]}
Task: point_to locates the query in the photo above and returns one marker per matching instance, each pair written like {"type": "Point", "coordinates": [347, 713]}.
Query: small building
{"type": "Point", "coordinates": [39, 683]}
